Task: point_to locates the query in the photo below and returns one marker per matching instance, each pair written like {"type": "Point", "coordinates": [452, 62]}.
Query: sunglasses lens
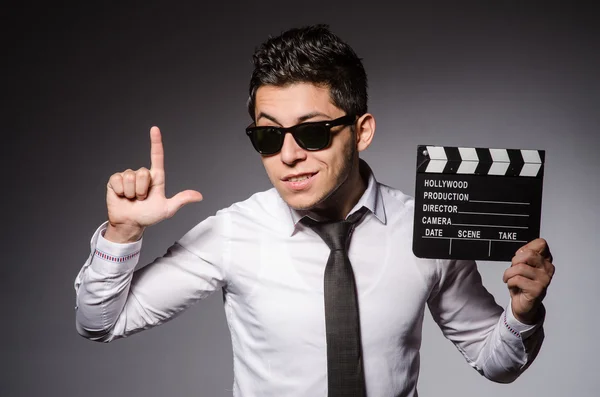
{"type": "Point", "coordinates": [266, 140]}
{"type": "Point", "coordinates": [312, 137]}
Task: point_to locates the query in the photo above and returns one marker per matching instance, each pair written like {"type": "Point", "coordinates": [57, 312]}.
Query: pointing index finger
{"type": "Point", "coordinates": [157, 154]}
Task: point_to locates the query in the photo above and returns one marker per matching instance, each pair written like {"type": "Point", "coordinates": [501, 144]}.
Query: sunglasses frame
{"type": "Point", "coordinates": [344, 120]}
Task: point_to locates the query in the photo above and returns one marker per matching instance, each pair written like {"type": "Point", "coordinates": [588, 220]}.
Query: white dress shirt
{"type": "Point", "coordinates": [271, 268]}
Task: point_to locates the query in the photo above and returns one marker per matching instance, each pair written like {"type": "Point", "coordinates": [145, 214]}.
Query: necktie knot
{"type": "Point", "coordinates": [336, 234]}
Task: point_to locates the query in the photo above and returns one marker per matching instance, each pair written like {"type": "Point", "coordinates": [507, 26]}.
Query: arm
{"type": "Point", "coordinates": [114, 300]}
{"type": "Point", "coordinates": [492, 341]}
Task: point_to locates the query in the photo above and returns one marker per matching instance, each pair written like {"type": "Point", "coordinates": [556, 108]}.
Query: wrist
{"type": "Point", "coordinates": [123, 234]}
{"type": "Point", "coordinates": [530, 318]}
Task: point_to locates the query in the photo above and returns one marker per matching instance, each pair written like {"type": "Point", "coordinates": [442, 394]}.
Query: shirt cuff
{"type": "Point", "coordinates": [518, 328]}
{"type": "Point", "coordinates": [111, 257]}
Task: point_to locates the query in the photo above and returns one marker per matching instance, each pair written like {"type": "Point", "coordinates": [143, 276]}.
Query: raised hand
{"type": "Point", "coordinates": [528, 279]}
{"type": "Point", "coordinates": [136, 199]}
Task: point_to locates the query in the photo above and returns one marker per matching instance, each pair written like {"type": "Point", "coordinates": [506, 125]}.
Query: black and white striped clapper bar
{"type": "Point", "coordinates": [476, 203]}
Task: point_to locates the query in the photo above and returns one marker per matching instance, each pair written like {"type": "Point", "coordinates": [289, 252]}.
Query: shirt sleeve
{"type": "Point", "coordinates": [114, 300]}
{"type": "Point", "coordinates": [491, 339]}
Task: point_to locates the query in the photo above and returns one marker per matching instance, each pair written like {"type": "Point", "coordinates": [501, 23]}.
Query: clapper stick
{"type": "Point", "coordinates": [476, 203]}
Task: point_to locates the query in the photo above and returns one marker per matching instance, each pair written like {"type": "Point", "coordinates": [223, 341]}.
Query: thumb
{"type": "Point", "coordinates": [182, 198]}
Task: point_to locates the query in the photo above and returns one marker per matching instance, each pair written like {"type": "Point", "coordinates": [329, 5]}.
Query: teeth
{"type": "Point", "coordinates": [298, 178]}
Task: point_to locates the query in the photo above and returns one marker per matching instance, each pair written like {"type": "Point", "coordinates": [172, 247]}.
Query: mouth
{"type": "Point", "coordinates": [299, 181]}
{"type": "Point", "coordinates": [298, 177]}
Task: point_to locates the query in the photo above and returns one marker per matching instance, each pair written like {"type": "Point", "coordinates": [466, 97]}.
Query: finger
{"type": "Point", "coordinates": [540, 246]}
{"type": "Point", "coordinates": [550, 269]}
{"type": "Point", "coordinates": [520, 283]}
{"type": "Point", "coordinates": [536, 275]}
{"type": "Point", "coordinates": [531, 287]}
{"type": "Point", "coordinates": [129, 184]}
{"type": "Point", "coordinates": [181, 199]}
{"type": "Point", "coordinates": [529, 257]}
{"type": "Point", "coordinates": [157, 155]}
{"type": "Point", "coordinates": [142, 182]}
{"type": "Point", "coordinates": [115, 183]}
{"type": "Point", "coordinates": [521, 270]}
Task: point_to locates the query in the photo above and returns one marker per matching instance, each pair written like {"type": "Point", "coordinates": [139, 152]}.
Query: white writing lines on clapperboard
{"type": "Point", "coordinates": [482, 216]}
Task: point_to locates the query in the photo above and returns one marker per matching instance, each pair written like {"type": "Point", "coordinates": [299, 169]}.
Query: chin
{"type": "Point", "coordinates": [299, 203]}
{"type": "Point", "coordinates": [303, 201]}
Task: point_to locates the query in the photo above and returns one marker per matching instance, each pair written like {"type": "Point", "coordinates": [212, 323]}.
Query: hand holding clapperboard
{"type": "Point", "coordinates": [477, 203]}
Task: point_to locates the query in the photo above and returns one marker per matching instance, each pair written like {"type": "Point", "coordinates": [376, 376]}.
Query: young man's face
{"type": "Point", "coordinates": [303, 178]}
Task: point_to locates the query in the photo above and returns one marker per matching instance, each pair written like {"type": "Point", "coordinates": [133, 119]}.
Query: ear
{"type": "Point", "coordinates": [365, 130]}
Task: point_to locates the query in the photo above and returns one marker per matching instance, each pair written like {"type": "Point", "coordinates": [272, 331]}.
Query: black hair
{"type": "Point", "coordinates": [311, 54]}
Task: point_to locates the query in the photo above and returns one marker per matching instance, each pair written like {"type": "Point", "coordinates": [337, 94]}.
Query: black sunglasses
{"type": "Point", "coordinates": [314, 135]}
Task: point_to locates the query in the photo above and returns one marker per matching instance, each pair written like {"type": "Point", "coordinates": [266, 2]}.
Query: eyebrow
{"type": "Point", "coordinates": [300, 119]}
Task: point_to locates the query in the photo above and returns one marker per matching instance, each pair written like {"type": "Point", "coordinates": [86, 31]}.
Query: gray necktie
{"type": "Point", "coordinates": [345, 373]}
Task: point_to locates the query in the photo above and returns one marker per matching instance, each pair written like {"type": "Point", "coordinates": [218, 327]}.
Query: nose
{"type": "Point", "coordinates": [291, 152]}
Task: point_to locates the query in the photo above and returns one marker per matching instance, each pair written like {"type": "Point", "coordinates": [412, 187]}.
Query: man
{"type": "Point", "coordinates": [309, 316]}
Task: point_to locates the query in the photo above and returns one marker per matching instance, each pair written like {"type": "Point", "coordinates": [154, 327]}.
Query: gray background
{"type": "Point", "coordinates": [84, 84]}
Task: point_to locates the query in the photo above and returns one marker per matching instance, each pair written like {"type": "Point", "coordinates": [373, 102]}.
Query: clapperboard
{"type": "Point", "coordinates": [476, 203]}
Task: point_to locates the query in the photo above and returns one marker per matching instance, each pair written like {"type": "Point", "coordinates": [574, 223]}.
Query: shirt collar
{"type": "Point", "coordinates": [371, 199]}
